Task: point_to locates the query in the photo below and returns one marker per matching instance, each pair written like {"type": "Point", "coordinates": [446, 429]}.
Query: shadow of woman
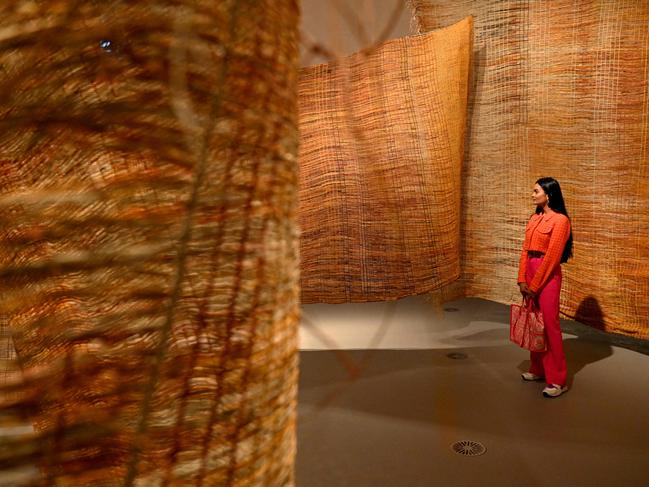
{"type": "Point", "coordinates": [590, 344]}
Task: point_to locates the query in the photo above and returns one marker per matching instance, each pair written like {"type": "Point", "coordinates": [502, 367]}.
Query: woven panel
{"type": "Point", "coordinates": [561, 89]}
{"type": "Point", "coordinates": [148, 251]}
{"type": "Point", "coordinates": [381, 144]}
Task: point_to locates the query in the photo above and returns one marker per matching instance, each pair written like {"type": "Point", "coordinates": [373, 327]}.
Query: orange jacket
{"type": "Point", "coordinates": [547, 234]}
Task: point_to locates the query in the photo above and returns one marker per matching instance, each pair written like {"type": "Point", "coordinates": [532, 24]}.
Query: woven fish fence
{"type": "Point", "coordinates": [148, 249]}
{"type": "Point", "coordinates": [381, 145]}
{"type": "Point", "coordinates": [561, 89]}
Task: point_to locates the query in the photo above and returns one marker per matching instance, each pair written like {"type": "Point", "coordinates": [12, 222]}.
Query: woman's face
{"type": "Point", "coordinates": [538, 196]}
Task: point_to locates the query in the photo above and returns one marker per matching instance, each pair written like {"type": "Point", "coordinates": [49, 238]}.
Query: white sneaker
{"type": "Point", "coordinates": [529, 376]}
{"type": "Point", "coordinates": [554, 390]}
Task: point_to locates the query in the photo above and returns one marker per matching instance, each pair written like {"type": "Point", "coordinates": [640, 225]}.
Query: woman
{"type": "Point", "coordinates": [548, 243]}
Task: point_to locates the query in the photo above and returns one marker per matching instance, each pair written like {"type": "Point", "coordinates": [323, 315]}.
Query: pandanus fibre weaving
{"type": "Point", "coordinates": [148, 246]}
{"type": "Point", "coordinates": [555, 89]}
{"type": "Point", "coordinates": [381, 147]}
{"type": "Point", "coordinates": [560, 89]}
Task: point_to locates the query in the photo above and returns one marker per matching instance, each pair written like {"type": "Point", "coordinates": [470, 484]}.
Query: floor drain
{"type": "Point", "coordinates": [468, 448]}
{"type": "Point", "coordinates": [451, 310]}
{"type": "Point", "coordinates": [457, 355]}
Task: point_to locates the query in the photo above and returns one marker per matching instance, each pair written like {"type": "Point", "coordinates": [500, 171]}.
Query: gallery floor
{"type": "Point", "coordinates": [386, 390]}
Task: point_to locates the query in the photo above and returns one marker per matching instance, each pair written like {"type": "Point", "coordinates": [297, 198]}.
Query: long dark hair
{"type": "Point", "coordinates": [553, 191]}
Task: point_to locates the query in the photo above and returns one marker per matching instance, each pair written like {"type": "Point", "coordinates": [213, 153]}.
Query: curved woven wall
{"type": "Point", "coordinates": [148, 250]}
{"type": "Point", "coordinates": [561, 89]}
{"type": "Point", "coordinates": [381, 144]}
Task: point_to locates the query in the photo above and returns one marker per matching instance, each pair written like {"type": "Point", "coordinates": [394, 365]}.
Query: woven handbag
{"type": "Point", "coordinates": [526, 327]}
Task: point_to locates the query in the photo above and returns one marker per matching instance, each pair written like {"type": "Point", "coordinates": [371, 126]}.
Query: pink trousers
{"type": "Point", "coordinates": [552, 363]}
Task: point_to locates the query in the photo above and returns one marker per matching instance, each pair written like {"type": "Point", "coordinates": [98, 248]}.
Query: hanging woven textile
{"type": "Point", "coordinates": [559, 89]}
{"type": "Point", "coordinates": [381, 145]}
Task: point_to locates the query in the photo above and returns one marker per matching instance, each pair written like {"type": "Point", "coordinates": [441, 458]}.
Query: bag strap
{"type": "Point", "coordinates": [529, 303]}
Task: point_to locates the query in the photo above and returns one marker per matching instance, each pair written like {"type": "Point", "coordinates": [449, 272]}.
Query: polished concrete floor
{"type": "Point", "coordinates": [386, 389]}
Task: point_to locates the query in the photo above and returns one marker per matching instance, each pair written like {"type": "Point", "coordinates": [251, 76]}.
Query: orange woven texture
{"type": "Point", "coordinates": [381, 145]}
{"type": "Point", "coordinates": [560, 89]}
{"type": "Point", "coordinates": [148, 251]}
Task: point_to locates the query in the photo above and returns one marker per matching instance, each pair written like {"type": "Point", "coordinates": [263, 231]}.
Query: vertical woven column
{"type": "Point", "coordinates": [148, 256]}
{"type": "Point", "coordinates": [560, 89]}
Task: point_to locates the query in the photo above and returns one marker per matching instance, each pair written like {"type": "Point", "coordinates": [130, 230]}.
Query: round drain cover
{"type": "Point", "coordinates": [468, 448]}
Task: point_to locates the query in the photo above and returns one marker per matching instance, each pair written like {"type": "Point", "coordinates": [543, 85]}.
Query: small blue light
{"type": "Point", "coordinates": [106, 45]}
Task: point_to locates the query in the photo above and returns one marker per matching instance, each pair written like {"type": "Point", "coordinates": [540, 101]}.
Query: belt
{"type": "Point", "coordinates": [535, 253]}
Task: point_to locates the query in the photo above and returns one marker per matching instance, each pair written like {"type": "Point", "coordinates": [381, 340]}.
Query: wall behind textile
{"type": "Point", "coordinates": [342, 27]}
{"type": "Point", "coordinates": [561, 89]}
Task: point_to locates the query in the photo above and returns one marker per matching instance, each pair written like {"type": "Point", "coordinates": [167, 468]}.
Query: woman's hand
{"type": "Point", "coordinates": [526, 291]}
{"type": "Point", "coordinates": [523, 288]}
